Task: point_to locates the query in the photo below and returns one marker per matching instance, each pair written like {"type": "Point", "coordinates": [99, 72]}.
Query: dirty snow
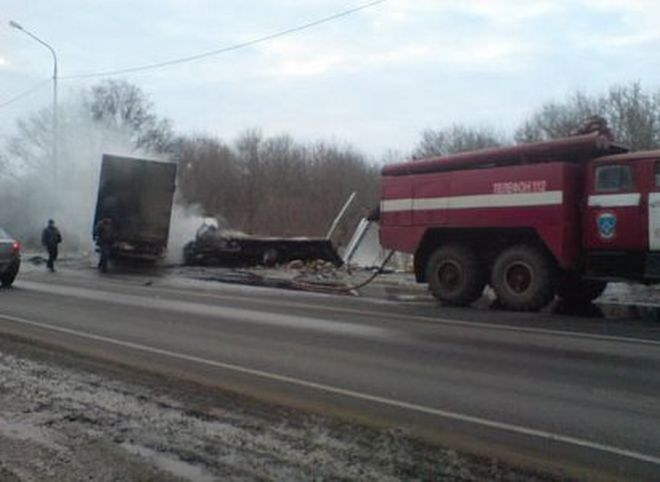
{"type": "Point", "coordinates": [67, 418]}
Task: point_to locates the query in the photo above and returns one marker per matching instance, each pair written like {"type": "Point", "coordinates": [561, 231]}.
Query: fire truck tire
{"type": "Point", "coordinates": [523, 278]}
{"type": "Point", "coordinates": [573, 289]}
{"type": "Point", "coordinates": [455, 275]}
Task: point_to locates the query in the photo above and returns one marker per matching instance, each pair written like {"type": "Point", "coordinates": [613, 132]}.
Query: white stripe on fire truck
{"type": "Point", "coordinates": [546, 198]}
{"type": "Point", "coordinates": [615, 200]}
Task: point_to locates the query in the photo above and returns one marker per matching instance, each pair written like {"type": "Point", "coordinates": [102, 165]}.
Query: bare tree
{"type": "Point", "coordinates": [393, 155]}
{"type": "Point", "coordinates": [25, 186]}
{"type": "Point", "coordinates": [31, 146]}
{"type": "Point", "coordinates": [556, 119]}
{"type": "Point", "coordinates": [122, 106]}
{"type": "Point", "coordinates": [632, 114]}
{"type": "Point", "coordinates": [336, 172]}
{"type": "Point", "coordinates": [283, 184]}
{"type": "Point", "coordinates": [208, 175]}
{"type": "Point", "coordinates": [248, 147]}
{"type": "Point", "coordinates": [457, 138]}
{"type": "Point", "coordinates": [274, 185]}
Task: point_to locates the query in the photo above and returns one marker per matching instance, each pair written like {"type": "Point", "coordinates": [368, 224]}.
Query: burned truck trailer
{"type": "Point", "coordinates": [136, 194]}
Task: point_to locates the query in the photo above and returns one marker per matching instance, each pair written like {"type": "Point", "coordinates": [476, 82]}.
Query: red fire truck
{"type": "Point", "coordinates": [535, 221]}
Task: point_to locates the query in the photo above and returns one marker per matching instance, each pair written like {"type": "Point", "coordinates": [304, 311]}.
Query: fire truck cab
{"type": "Point", "coordinates": [621, 222]}
{"type": "Point", "coordinates": [535, 221]}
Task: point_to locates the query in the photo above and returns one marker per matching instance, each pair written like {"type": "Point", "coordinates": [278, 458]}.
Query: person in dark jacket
{"type": "Point", "coordinates": [50, 238]}
{"type": "Point", "coordinates": [104, 236]}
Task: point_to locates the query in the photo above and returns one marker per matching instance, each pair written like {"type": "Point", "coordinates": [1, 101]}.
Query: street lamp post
{"type": "Point", "coordinates": [18, 26]}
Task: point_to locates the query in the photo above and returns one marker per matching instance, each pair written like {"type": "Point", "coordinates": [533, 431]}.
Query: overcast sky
{"type": "Point", "coordinates": [374, 79]}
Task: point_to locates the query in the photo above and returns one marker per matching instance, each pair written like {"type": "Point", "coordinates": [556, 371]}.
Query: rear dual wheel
{"type": "Point", "coordinates": [455, 275]}
{"type": "Point", "coordinates": [523, 277]}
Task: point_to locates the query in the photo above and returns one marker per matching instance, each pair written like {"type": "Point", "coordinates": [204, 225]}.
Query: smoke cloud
{"type": "Point", "coordinates": [34, 188]}
{"type": "Point", "coordinates": [184, 223]}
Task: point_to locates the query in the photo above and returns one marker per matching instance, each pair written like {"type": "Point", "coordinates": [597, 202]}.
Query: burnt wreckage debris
{"type": "Point", "coordinates": [214, 246]}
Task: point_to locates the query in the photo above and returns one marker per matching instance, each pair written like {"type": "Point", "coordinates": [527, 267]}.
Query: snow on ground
{"type": "Point", "coordinates": [66, 418]}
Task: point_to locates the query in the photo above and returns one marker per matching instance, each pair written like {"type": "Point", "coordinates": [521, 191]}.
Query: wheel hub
{"type": "Point", "coordinates": [450, 275]}
{"type": "Point", "coordinates": [519, 277]}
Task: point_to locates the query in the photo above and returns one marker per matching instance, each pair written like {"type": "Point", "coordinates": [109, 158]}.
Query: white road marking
{"type": "Point", "coordinates": [555, 437]}
{"type": "Point", "coordinates": [391, 316]}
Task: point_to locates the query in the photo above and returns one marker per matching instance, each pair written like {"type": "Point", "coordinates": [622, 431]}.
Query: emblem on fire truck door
{"type": "Point", "coordinates": [606, 225]}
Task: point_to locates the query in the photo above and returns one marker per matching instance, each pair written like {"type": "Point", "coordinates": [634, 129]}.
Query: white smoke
{"type": "Point", "coordinates": [65, 191]}
{"type": "Point", "coordinates": [184, 223]}
{"type": "Point", "coordinates": [33, 191]}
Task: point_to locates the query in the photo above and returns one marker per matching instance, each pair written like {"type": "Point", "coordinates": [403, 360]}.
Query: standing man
{"type": "Point", "coordinates": [105, 237]}
{"type": "Point", "coordinates": [50, 238]}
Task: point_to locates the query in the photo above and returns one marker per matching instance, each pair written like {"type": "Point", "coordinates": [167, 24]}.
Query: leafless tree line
{"type": "Point", "coordinates": [632, 113]}
{"type": "Point", "coordinates": [273, 185]}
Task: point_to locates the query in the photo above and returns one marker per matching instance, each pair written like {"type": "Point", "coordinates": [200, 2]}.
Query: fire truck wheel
{"type": "Point", "coordinates": [574, 290]}
{"type": "Point", "coordinates": [455, 275]}
{"type": "Point", "coordinates": [523, 278]}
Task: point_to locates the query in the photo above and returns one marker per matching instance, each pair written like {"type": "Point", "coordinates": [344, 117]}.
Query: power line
{"type": "Point", "coordinates": [25, 93]}
{"type": "Point", "coordinates": [191, 58]}
{"type": "Point", "coordinates": [230, 48]}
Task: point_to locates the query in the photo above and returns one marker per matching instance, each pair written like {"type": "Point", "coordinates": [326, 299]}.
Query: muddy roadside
{"type": "Point", "coordinates": [66, 417]}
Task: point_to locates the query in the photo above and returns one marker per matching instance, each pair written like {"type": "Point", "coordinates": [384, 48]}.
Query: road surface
{"type": "Point", "coordinates": [554, 392]}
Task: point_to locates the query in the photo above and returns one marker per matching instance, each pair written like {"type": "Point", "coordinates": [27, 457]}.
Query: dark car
{"type": "Point", "coordinates": [10, 258]}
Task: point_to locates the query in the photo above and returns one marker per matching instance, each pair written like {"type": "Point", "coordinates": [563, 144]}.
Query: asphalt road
{"type": "Point", "coordinates": [567, 394]}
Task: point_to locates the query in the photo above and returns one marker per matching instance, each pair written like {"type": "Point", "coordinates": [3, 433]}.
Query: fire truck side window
{"type": "Point", "coordinates": [614, 178]}
{"type": "Point", "coordinates": [657, 174]}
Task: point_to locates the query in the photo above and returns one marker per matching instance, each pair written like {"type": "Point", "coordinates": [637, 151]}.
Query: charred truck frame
{"type": "Point", "coordinates": [554, 218]}
{"type": "Point", "coordinates": [224, 247]}
{"type": "Point", "coordinates": [137, 195]}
